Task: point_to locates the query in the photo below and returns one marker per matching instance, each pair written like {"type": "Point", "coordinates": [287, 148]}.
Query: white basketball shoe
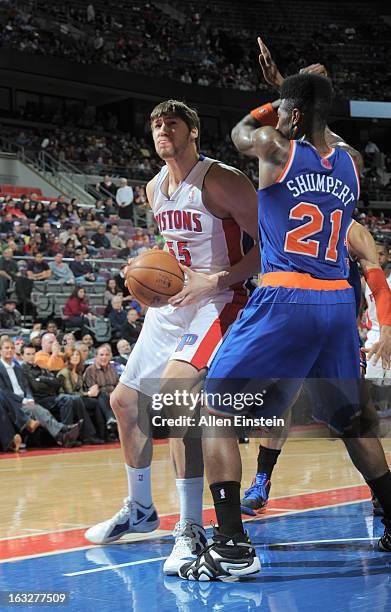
{"type": "Point", "coordinates": [190, 539]}
{"type": "Point", "coordinates": [132, 518]}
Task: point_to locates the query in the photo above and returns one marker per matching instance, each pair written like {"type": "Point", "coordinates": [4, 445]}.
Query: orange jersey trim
{"type": "Point", "coordinates": [288, 162]}
{"type": "Point", "coordinates": [297, 280]}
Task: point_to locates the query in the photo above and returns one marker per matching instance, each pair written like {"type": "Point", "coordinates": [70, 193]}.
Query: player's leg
{"type": "Point", "coordinates": [352, 412]}
{"type": "Point", "coordinates": [250, 350]}
{"type": "Point", "coordinates": [205, 325]}
{"type": "Point", "coordinates": [256, 496]}
{"type": "Point", "coordinates": [187, 460]}
{"type": "Point", "coordinates": [130, 404]}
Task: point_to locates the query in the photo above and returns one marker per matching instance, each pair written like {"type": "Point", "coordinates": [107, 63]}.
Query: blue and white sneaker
{"type": "Point", "coordinates": [256, 497]}
{"type": "Point", "coordinates": [190, 539]}
{"type": "Point", "coordinates": [132, 518]}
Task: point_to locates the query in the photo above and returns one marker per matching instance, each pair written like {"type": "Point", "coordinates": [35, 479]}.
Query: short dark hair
{"type": "Point", "coordinates": [27, 346]}
{"type": "Point", "coordinates": [309, 93]}
{"type": "Point", "coordinates": [181, 110]}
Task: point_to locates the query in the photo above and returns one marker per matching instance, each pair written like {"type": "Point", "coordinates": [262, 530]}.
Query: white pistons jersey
{"type": "Point", "coordinates": [371, 314]}
{"type": "Point", "coordinates": [193, 235]}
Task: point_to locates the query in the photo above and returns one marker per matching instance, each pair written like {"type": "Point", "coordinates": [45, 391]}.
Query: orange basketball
{"type": "Point", "coordinates": [153, 277]}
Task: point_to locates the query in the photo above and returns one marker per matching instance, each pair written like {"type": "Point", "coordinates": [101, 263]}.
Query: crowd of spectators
{"type": "Point", "coordinates": [55, 374]}
{"type": "Point", "coordinates": [193, 44]}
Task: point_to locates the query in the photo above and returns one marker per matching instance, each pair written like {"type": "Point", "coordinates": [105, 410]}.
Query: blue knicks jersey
{"type": "Point", "coordinates": [305, 215]}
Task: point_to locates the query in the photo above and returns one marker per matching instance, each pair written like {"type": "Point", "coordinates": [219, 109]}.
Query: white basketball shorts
{"type": "Point", "coordinates": [191, 334]}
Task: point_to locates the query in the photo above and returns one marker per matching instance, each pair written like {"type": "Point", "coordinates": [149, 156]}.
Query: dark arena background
{"type": "Point", "coordinates": [78, 82]}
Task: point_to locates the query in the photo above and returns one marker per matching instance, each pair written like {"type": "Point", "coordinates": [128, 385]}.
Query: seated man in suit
{"type": "Point", "coordinates": [15, 386]}
{"type": "Point", "coordinates": [46, 386]}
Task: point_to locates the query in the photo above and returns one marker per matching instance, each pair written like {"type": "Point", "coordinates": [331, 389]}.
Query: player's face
{"type": "Point", "coordinates": [171, 136]}
{"type": "Point", "coordinates": [383, 256]}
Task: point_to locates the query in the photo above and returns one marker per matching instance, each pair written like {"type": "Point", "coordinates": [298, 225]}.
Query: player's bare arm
{"type": "Point", "coordinates": [363, 247]}
{"type": "Point", "coordinates": [227, 193]}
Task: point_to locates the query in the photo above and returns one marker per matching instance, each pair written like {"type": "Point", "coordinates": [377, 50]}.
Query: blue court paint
{"type": "Point", "coordinates": [316, 560]}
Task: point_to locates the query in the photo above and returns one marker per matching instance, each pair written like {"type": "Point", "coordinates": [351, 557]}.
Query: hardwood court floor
{"type": "Point", "coordinates": [65, 491]}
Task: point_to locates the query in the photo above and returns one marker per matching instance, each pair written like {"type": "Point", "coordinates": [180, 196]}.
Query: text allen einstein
{"type": "Point", "coordinates": [212, 420]}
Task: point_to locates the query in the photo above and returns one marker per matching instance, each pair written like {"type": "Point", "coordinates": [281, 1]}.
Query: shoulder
{"type": "Point", "coordinates": [269, 143]}
{"type": "Point", "coordinates": [222, 177]}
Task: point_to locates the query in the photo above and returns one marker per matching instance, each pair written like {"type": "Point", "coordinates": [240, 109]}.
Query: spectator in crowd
{"type": "Point", "coordinates": [46, 388]}
{"type": "Point", "coordinates": [61, 272]}
{"type": "Point", "coordinates": [84, 354]}
{"type": "Point", "coordinates": [72, 383]}
{"type": "Point", "coordinates": [18, 346]}
{"type": "Point", "coordinates": [52, 328]}
{"type": "Point", "coordinates": [111, 290]}
{"type": "Point", "coordinates": [124, 199]}
{"type": "Point", "coordinates": [12, 421]}
{"type": "Point", "coordinates": [10, 317]}
{"type": "Point", "coordinates": [38, 269]}
{"type": "Point", "coordinates": [117, 317]}
{"type": "Point", "coordinates": [64, 435]}
{"type": "Point", "coordinates": [50, 356]}
{"type": "Point", "coordinates": [104, 374]}
{"type": "Point", "coordinates": [99, 239]}
{"type": "Point", "coordinates": [129, 251]}
{"type": "Point", "coordinates": [131, 329]}
{"type": "Point", "coordinates": [69, 249]}
{"type": "Point", "coordinates": [68, 343]}
{"type": "Point", "coordinates": [7, 224]}
{"type": "Point", "coordinates": [82, 270]}
{"type": "Point", "coordinates": [16, 387]}
{"type": "Point", "coordinates": [89, 341]}
{"type": "Point", "coordinates": [107, 187]}
{"type": "Point", "coordinates": [68, 233]}
{"type": "Point", "coordinates": [116, 242]}
{"type": "Point", "coordinates": [8, 272]}
{"type": "Point", "coordinates": [77, 310]}
{"type": "Point", "coordinates": [124, 350]}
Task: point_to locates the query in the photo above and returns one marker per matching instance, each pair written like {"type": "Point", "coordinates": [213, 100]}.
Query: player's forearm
{"type": "Point", "coordinates": [249, 265]}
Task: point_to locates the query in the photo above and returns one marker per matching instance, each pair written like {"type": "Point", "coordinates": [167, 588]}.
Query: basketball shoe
{"type": "Point", "coordinates": [190, 540]}
{"type": "Point", "coordinates": [385, 541]}
{"type": "Point", "coordinates": [132, 518]}
{"type": "Point", "coordinates": [256, 497]}
{"type": "Point", "coordinates": [225, 557]}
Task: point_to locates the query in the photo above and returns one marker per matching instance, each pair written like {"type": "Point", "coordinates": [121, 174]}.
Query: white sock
{"type": "Point", "coordinates": [190, 492]}
{"type": "Point", "coordinates": [139, 483]}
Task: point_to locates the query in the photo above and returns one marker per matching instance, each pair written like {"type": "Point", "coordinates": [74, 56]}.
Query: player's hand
{"type": "Point", "coordinates": [197, 287]}
{"type": "Point", "coordinates": [381, 349]}
{"type": "Point", "coordinates": [271, 74]}
{"type": "Point", "coordinates": [315, 69]}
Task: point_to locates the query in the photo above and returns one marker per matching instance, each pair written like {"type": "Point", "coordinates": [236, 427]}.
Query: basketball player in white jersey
{"type": "Point", "coordinates": [202, 208]}
{"type": "Point", "coordinates": [379, 376]}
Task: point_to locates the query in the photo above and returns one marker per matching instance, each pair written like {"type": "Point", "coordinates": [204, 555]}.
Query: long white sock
{"type": "Point", "coordinates": [190, 491]}
{"type": "Point", "coordinates": [139, 484]}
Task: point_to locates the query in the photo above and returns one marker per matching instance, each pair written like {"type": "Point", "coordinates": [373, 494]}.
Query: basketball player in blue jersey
{"type": "Point", "coordinates": [301, 322]}
{"type": "Point", "coordinates": [256, 496]}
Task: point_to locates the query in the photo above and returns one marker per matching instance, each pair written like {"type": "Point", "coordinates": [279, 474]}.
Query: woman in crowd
{"type": "Point", "coordinates": [77, 311]}
{"type": "Point", "coordinates": [72, 383]}
{"type": "Point", "coordinates": [112, 289]}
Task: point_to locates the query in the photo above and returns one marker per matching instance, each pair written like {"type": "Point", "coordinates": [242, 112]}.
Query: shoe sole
{"type": "Point", "coordinates": [254, 568]}
{"type": "Point", "coordinates": [173, 571]}
{"type": "Point", "coordinates": [147, 529]}
{"type": "Point", "coordinates": [253, 511]}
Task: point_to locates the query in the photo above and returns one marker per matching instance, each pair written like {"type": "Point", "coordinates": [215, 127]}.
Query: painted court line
{"type": "Point", "coordinates": [319, 542]}
{"type": "Point", "coordinates": [113, 567]}
{"type": "Point", "coordinates": [56, 541]}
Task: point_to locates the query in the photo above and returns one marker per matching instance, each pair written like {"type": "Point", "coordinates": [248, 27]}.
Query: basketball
{"type": "Point", "coordinates": [153, 277]}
